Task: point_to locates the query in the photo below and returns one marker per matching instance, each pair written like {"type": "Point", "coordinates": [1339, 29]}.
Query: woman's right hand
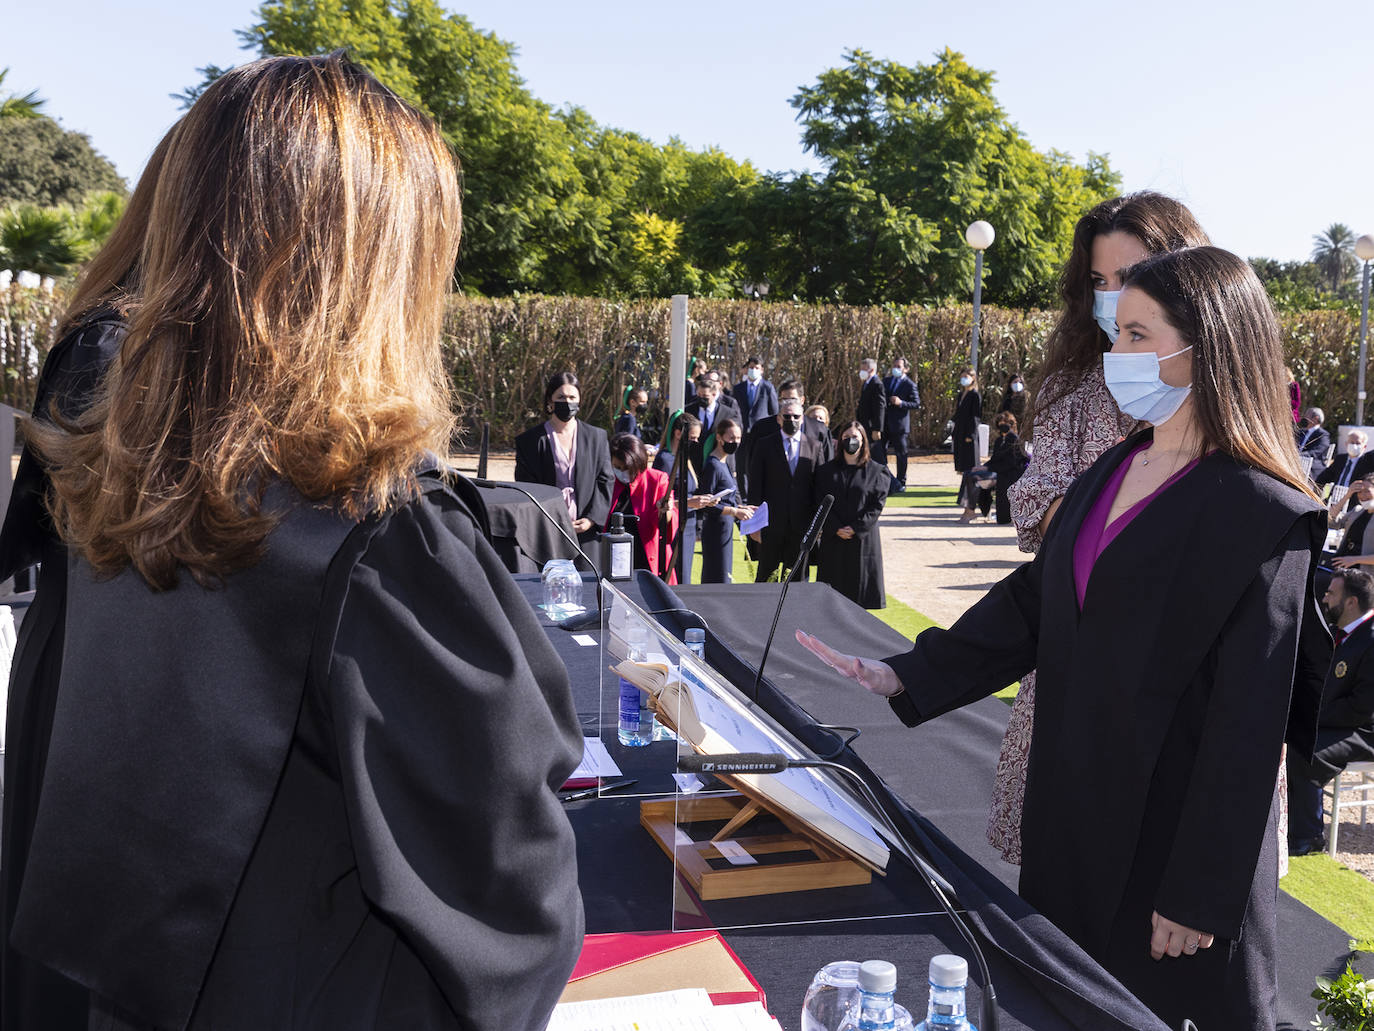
{"type": "Point", "coordinates": [697, 501]}
{"type": "Point", "coordinates": [876, 676]}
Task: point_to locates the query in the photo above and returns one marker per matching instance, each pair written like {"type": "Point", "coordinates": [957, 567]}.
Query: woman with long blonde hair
{"type": "Point", "coordinates": [283, 654]}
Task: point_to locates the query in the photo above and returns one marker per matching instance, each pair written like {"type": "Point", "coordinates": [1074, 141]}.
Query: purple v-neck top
{"type": "Point", "coordinates": [1094, 534]}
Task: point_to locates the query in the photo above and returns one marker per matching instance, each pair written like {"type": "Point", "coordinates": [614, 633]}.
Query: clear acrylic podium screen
{"type": "Point", "coordinates": [801, 846]}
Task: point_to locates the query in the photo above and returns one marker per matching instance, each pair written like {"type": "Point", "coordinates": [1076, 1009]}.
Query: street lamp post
{"type": "Point", "coordinates": [979, 236]}
{"type": "Point", "coordinates": [1364, 250]}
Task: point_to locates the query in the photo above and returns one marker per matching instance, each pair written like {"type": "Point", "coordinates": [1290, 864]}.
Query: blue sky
{"type": "Point", "coordinates": [1257, 115]}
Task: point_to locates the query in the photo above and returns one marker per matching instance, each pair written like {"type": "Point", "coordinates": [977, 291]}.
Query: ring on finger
{"type": "Point", "coordinates": [1190, 946]}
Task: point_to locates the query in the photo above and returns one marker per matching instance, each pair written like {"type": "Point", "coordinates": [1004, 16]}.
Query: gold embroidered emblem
{"type": "Point", "coordinates": [1341, 668]}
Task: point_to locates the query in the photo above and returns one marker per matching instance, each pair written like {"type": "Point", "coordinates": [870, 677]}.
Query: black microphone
{"type": "Point", "coordinates": [582, 622]}
{"type": "Point", "coordinates": [775, 762]}
{"type": "Point", "coordinates": [808, 542]}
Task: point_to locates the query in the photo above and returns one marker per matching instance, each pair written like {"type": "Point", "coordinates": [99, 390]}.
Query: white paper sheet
{"type": "Point", "coordinates": [756, 522]}
{"type": "Point", "coordinates": [596, 761]}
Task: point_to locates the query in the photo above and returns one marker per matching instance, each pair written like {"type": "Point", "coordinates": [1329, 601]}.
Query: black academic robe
{"type": "Point", "coordinates": [966, 416]}
{"type": "Point", "coordinates": [592, 478]}
{"type": "Point", "coordinates": [853, 567]}
{"type": "Point", "coordinates": [307, 798]}
{"type": "Point", "coordinates": [1160, 712]}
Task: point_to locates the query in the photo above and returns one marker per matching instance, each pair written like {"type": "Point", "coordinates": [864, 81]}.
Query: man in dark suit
{"type": "Point", "coordinates": [902, 399]}
{"type": "Point", "coordinates": [872, 410]}
{"type": "Point", "coordinates": [1345, 469]}
{"type": "Point", "coordinates": [756, 397]}
{"type": "Point", "coordinates": [781, 468]}
{"type": "Point", "coordinates": [709, 406]}
{"type": "Point", "coordinates": [1345, 732]}
{"type": "Point", "coordinates": [1313, 440]}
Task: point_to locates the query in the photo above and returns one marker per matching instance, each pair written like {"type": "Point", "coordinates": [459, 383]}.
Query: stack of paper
{"type": "Point", "coordinates": [689, 1009]}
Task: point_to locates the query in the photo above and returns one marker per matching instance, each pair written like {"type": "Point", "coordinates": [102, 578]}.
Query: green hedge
{"type": "Point", "coordinates": [500, 351]}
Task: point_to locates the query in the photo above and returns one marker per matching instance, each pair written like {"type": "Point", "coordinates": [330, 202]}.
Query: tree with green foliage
{"type": "Point", "coordinates": [1333, 252]}
{"type": "Point", "coordinates": [53, 241]}
{"type": "Point", "coordinates": [912, 155]}
{"type": "Point", "coordinates": [41, 163]}
{"type": "Point", "coordinates": [550, 198]}
{"type": "Point", "coordinates": [14, 105]}
{"type": "Point", "coordinates": [1293, 285]}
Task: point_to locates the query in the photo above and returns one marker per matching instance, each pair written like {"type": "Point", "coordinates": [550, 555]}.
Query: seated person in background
{"type": "Point", "coordinates": [1313, 440]}
{"type": "Point", "coordinates": [819, 413]}
{"type": "Point", "coordinates": [1003, 468]}
{"type": "Point", "coordinates": [1351, 514]}
{"type": "Point", "coordinates": [644, 497]}
{"type": "Point", "coordinates": [1345, 733]}
{"type": "Point", "coordinates": [1353, 465]}
{"type": "Point", "coordinates": [635, 407]}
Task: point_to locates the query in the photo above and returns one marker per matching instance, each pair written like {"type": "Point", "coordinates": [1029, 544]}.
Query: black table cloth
{"type": "Point", "coordinates": [522, 536]}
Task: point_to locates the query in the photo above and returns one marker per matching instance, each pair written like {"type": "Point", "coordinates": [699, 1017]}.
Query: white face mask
{"type": "Point", "coordinates": [754, 375]}
{"type": "Point", "coordinates": [965, 381]}
{"type": "Point", "coordinates": [1018, 387]}
{"type": "Point", "coordinates": [1104, 311]}
{"type": "Point", "coordinates": [623, 475]}
{"type": "Point", "coordinates": [1137, 389]}
{"type": "Point", "coordinates": [863, 375]}
{"type": "Point", "coordinates": [1354, 450]}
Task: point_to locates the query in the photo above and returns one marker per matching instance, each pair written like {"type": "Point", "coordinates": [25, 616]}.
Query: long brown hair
{"type": "Point", "coordinates": [1240, 397]}
{"type": "Point", "coordinates": [1076, 343]}
{"type": "Point", "coordinates": [284, 324]}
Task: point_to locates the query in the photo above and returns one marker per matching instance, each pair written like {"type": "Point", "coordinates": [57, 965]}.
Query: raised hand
{"type": "Point", "coordinates": [876, 676]}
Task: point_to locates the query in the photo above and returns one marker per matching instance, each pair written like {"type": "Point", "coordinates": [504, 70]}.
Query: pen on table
{"type": "Point", "coordinates": [614, 785]}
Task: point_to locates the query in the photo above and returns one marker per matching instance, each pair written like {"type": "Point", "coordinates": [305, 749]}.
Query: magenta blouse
{"type": "Point", "coordinates": [1094, 534]}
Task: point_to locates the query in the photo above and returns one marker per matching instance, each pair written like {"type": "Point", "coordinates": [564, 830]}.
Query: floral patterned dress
{"type": "Point", "coordinates": [1070, 435]}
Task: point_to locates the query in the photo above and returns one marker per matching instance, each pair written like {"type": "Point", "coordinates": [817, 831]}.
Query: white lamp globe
{"type": "Point", "coordinates": [1364, 248]}
{"type": "Point", "coordinates": [980, 235]}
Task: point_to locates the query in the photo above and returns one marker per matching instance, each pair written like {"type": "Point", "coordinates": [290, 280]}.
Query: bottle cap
{"type": "Point", "coordinates": [877, 975]}
{"type": "Point", "coordinates": [949, 971]}
{"type": "Point", "coordinates": [695, 635]}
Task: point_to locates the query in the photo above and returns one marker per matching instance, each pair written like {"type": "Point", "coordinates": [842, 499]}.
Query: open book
{"type": "Point", "coordinates": [707, 718]}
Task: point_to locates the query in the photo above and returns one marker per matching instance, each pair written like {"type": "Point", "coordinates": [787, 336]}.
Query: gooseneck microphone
{"type": "Point", "coordinates": [808, 541]}
{"type": "Point", "coordinates": [755, 763]}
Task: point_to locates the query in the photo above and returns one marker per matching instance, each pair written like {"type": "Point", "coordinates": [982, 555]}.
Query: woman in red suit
{"type": "Point", "coordinates": [644, 497]}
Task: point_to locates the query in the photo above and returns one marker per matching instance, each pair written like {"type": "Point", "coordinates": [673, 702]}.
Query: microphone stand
{"type": "Point", "coordinates": [808, 541]}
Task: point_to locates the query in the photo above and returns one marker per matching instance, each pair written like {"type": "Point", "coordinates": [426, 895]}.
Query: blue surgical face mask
{"type": "Point", "coordinates": [623, 475]}
{"type": "Point", "coordinates": [896, 372]}
{"type": "Point", "coordinates": [755, 374]}
{"type": "Point", "coordinates": [1134, 382]}
{"type": "Point", "coordinates": [1104, 311]}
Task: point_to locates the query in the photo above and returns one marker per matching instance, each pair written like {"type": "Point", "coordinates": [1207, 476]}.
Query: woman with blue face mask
{"type": "Point", "coordinates": [1074, 421]}
{"type": "Point", "coordinates": [1177, 648]}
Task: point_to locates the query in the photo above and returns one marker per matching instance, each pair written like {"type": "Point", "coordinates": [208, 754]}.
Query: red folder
{"type": "Point", "coordinates": [634, 964]}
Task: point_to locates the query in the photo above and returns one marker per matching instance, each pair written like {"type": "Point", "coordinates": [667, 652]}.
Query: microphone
{"type": "Point", "coordinates": [775, 762]}
{"type": "Point", "coordinates": [582, 622]}
{"type": "Point", "coordinates": [808, 542]}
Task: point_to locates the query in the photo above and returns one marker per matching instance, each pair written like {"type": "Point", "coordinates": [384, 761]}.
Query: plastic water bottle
{"type": "Point", "coordinates": [947, 1010]}
{"type": "Point", "coordinates": [849, 996]}
{"type": "Point", "coordinates": [636, 726]}
{"type": "Point", "coordinates": [695, 639]}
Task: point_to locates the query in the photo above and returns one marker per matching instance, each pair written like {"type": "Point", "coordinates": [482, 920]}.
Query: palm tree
{"type": "Point", "coordinates": [15, 106]}
{"type": "Point", "coordinates": [1333, 252]}
{"type": "Point", "coordinates": [39, 240]}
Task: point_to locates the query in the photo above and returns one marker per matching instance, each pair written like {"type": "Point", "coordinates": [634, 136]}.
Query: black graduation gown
{"type": "Point", "coordinates": [717, 529]}
{"type": "Point", "coordinates": [853, 567]}
{"type": "Point", "coordinates": [319, 796]}
{"type": "Point", "coordinates": [966, 415]}
{"type": "Point", "coordinates": [1160, 711]}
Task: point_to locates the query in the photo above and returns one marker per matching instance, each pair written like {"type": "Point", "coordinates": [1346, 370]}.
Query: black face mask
{"type": "Point", "coordinates": [852, 445]}
{"type": "Point", "coordinates": [565, 410]}
{"type": "Point", "coordinates": [1003, 428]}
{"type": "Point", "coordinates": [729, 446]}
{"type": "Point", "coordinates": [790, 426]}
{"type": "Point", "coordinates": [1303, 424]}
{"type": "Point", "coordinates": [641, 409]}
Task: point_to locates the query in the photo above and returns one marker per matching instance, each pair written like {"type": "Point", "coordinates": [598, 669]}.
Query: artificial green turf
{"type": "Point", "coordinates": [1336, 892]}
